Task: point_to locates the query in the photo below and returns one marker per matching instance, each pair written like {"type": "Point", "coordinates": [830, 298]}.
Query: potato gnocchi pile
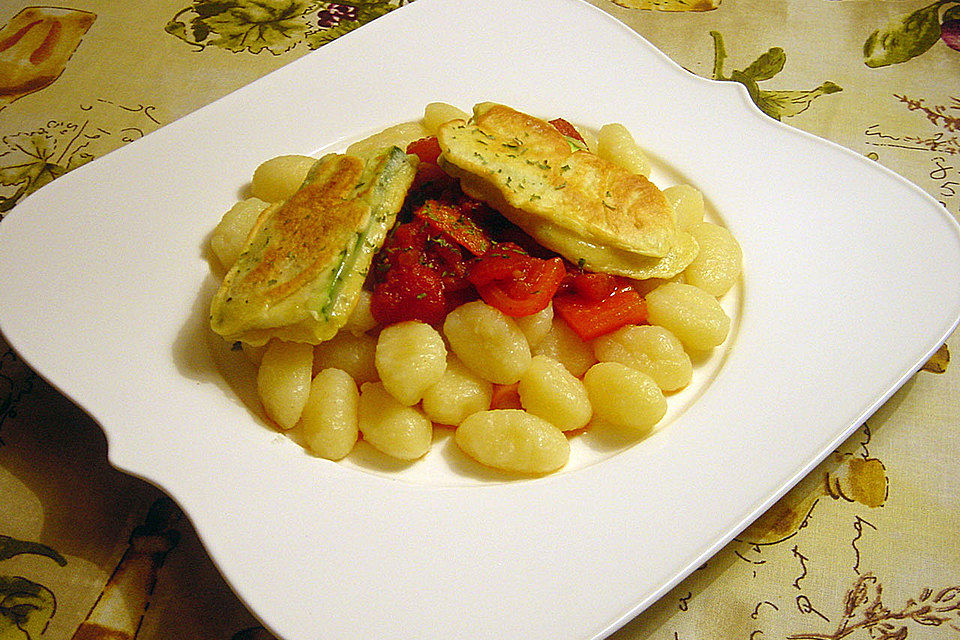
{"type": "Point", "coordinates": [515, 389]}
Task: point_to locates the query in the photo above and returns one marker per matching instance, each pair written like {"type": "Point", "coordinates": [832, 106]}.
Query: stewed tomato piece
{"type": "Point", "coordinates": [594, 304]}
{"type": "Point", "coordinates": [516, 283]}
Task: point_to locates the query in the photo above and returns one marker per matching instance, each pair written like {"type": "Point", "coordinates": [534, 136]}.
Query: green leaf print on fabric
{"type": "Point", "coordinates": [777, 104]}
{"type": "Point", "coordinates": [27, 162]}
{"type": "Point", "coordinates": [11, 547]}
{"type": "Point", "coordinates": [767, 65]}
{"type": "Point", "coordinates": [789, 103]}
{"type": "Point", "coordinates": [25, 608]}
{"type": "Point", "coordinates": [275, 26]}
{"type": "Point", "coordinates": [238, 25]}
{"type": "Point", "coordinates": [256, 26]}
{"type": "Point", "coordinates": [911, 34]}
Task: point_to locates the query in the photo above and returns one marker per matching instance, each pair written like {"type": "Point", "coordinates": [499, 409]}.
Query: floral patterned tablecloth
{"type": "Point", "coordinates": [865, 547]}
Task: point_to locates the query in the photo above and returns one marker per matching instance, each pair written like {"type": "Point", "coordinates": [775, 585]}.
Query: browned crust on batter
{"type": "Point", "coordinates": [504, 154]}
{"type": "Point", "coordinates": [306, 232]}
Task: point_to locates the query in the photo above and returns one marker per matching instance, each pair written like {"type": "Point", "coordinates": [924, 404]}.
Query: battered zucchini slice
{"type": "Point", "coordinates": [306, 258]}
{"type": "Point", "coordinates": [585, 208]}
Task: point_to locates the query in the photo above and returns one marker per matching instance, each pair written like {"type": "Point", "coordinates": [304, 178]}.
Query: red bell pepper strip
{"type": "Point", "coordinates": [427, 149]}
{"type": "Point", "coordinates": [592, 287]}
{"type": "Point", "coordinates": [428, 172]}
{"type": "Point", "coordinates": [456, 224]}
{"type": "Point", "coordinates": [591, 319]}
{"type": "Point", "coordinates": [516, 283]}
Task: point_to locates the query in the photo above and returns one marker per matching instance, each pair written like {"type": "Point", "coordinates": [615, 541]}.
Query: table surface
{"type": "Point", "coordinates": [865, 547]}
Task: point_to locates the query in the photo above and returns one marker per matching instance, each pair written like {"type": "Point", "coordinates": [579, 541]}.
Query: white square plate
{"type": "Point", "coordinates": [850, 283]}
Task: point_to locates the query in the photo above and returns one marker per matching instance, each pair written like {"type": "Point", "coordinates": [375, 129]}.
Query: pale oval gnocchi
{"type": "Point", "coordinates": [548, 390]}
{"type": "Point", "coordinates": [277, 178]}
{"type": "Point", "coordinates": [717, 265]}
{"type": "Point", "coordinates": [624, 397]}
{"type": "Point", "coordinates": [537, 326]}
{"type": "Point", "coordinates": [687, 204]}
{"type": "Point", "coordinates": [410, 357]}
{"type": "Point", "coordinates": [437, 113]}
{"type": "Point", "coordinates": [329, 418]}
{"type": "Point", "coordinates": [563, 345]}
{"type": "Point", "coordinates": [231, 234]}
{"type": "Point", "coordinates": [616, 144]}
{"type": "Point", "coordinates": [690, 313]}
{"type": "Point", "coordinates": [350, 352]}
{"type": "Point", "coordinates": [488, 342]}
{"type": "Point", "coordinates": [457, 394]}
{"type": "Point", "coordinates": [399, 135]}
{"type": "Point", "coordinates": [513, 440]}
{"type": "Point", "coordinates": [396, 429]}
{"type": "Point", "coordinates": [650, 349]}
{"type": "Point", "coordinates": [283, 380]}
{"type": "Point", "coordinates": [361, 319]}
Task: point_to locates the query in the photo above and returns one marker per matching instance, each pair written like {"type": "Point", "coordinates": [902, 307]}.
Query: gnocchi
{"type": "Point", "coordinates": [614, 143]}
{"type": "Point", "coordinates": [687, 205]}
{"type": "Point", "coordinates": [361, 319]}
{"type": "Point", "coordinates": [513, 440]}
{"type": "Point", "coordinates": [624, 397]}
{"type": "Point", "coordinates": [563, 345]}
{"type": "Point", "coordinates": [277, 178]}
{"type": "Point", "coordinates": [410, 357]}
{"type": "Point", "coordinates": [283, 380]}
{"type": "Point", "coordinates": [690, 313]}
{"type": "Point", "coordinates": [399, 135]}
{"type": "Point", "coordinates": [230, 235]}
{"type": "Point", "coordinates": [458, 393]}
{"type": "Point", "coordinates": [437, 113]}
{"type": "Point", "coordinates": [551, 392]}
{"type": "Point", "coordinates": [650, 349]}
{"type": "Point", "coordinates": [488, 342]}
{"type": "Point", "coordinates": [355, 354]}
{"type": "Point", "coordinates": [536, 326]}
{"type": "Point", "coordinates": [396, 429]}
{"type": "Point", "coordinates": [717, 265]}
{"type": "Point", "coordinates": [329, 418]}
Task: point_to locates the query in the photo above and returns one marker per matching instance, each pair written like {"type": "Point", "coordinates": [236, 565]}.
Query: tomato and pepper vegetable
{"type": "Point", "coordinates": [594, 309]}
{"type": "Point", "coordinates": [458, 220]}
{"type": "Point", "coordinates": [516, 283]}
{"type": "Point", "coordinates": [452, 248]}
